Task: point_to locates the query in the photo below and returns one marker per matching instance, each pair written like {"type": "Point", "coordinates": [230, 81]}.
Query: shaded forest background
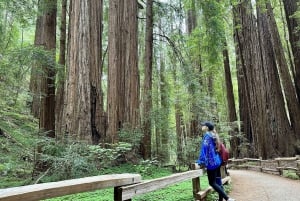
{"type": "Point", "coordinates": [131, 80]}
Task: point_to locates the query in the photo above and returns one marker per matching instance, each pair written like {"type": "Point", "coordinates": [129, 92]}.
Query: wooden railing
{"type": "Point", "coordinates": [126, 186]}
{"type": "Point", "coordinates": [128, 192]}
{"type": "Point", "coordinates": [55, 189]}
{"type": "Point", "coordinates": [275, 166]}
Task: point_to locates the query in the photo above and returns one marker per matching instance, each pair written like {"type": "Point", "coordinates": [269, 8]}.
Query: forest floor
{"type": "Point", "coordinates": [250, 185]}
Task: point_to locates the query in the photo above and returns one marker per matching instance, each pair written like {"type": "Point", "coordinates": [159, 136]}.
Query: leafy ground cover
{"type": "Point", "coordinates": [17, 137]}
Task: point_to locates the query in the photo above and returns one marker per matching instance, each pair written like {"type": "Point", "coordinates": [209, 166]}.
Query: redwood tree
{"type": "Point", "coordinates": [47, 110]}
{"type": "Point", "coordinates": [123, 75]}
{"type": "Point", "coordinates": [83, 86]}
{"type": "Point", "coordinates": [148, 59]}
{"type": "Point", "coordinates": [290, 8]}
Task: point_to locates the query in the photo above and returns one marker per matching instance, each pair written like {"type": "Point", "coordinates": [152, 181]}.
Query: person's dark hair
{"type": "Point", "coordinates": [208, 124]}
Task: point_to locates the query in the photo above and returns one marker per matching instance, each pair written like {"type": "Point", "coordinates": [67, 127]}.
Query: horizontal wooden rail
{"type": "Point", "coordinates": [275, 166]}
{"type": "Point", "coordinates": [61, 188]}
{"type": "Point", "coordinates": [128, 192]}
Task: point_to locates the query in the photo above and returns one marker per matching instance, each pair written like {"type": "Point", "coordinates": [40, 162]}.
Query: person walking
{"type": "Point", "coordinates": [210, 158]}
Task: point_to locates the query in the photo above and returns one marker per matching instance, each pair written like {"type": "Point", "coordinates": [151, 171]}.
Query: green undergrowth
{"type": "Point", "coordinates": [290, 174]}
{"type": "Point", "coordinates": [18, 134]}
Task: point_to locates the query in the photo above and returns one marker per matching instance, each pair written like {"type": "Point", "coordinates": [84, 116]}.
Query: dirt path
{"type": "Point", "coordinates": [256, 186]}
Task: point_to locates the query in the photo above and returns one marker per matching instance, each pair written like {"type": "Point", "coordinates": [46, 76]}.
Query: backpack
{"type": "Point", "coordinates": [224, 153]}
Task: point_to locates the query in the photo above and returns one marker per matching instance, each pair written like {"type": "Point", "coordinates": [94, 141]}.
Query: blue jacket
{"type": "Point", "coordinates": [208, 156]}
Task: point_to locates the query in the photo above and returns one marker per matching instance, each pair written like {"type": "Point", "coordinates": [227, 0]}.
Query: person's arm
{"type": "Point", "coordinates": [202, 159]}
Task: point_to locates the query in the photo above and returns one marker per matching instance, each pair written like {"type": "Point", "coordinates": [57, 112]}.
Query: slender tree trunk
{"type": "Point", "coordinates": [132, 84]}
{"type": "Point", "coordinates": [61, 72]}
{"type": "Point", "coordinates": [47, 110]}
{"type": "Point", "coordinates": [234, 142]}
{"type": "Point", "coordinates": [191, 25]}
{"type": "Point", "coordinates": [164, 100]}
{"type": "Point", "coordinates": [97, 106]}
{"type": "Point", "coordinates": [35, 77]}
{"type": "Point", "coordinates": [148, 60]}
{"type": "Point", "coordinates": [114, 70]}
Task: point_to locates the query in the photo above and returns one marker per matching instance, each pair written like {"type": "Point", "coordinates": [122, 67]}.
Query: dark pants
{"type": "Point", "coordinates": [213, 176]}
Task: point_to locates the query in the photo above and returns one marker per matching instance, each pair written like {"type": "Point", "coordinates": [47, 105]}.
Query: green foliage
{"type": "Point", "coordinates": [74, 160]}
{"type": "Point", "coordinates": [131, 136]}
{"type": "Point", "coordinates": [291, 174]}
{"type": "Point", "coordinates": [18, 132]}
{"type": "Point", "coordinates": [147, 167]}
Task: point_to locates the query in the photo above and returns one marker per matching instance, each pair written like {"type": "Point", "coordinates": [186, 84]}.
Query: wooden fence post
{"type": "Point", "coordinates": [196, 181]}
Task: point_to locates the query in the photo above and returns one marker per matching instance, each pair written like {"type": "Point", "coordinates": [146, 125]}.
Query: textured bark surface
{"type": "Point", "coordinates": [283, 68]}
{"type": "Point", "coordinates": [83, 71]}
{"type": "Point", "coordinates": [260, 53]}
{"type": "Point", "coordinates": [249, 50]}
{"type": "Point", "coordinates": [132, 84]}
{"type": "Point", "coordinates": [123, 75]}
{"type": "Point", "coordinates": [290, 8]}
{"type": "Point", "coordinates": [278, 135]}
{"type": "Point", "coordinates": [147, 96]}
{"type": "Point", "coordinates": [61, 72]}
{"type": "Point", "coordinates": [47, 110]}
{"type": "Point", "coordinates": [35, 77]}
{"type": "Point", "coordinates": [232, 117]}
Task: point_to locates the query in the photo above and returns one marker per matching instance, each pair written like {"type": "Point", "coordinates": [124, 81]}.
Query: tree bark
{"type": "Point", "coordinates": [249, 53]}
{"type": "Point", "coordinates": [84, 74]}
{"type": "Point", "coordinates": [148, 60]}
{"type": "Point", "coordinates": [123, 75]}
{"type": "Point", "coordinates": [234, 141]}
{"type": "Point", "coordinates": [290, 8]}
{"type": "Point", "coordinates": [283, 68]}
{"type": "Point", "coordinates": [35, 78]}
{"type": "Point", "coordinates": [278, 135]}
{"type": "Point", "coordinates": [61, 72]}
{"type": "Point", "coordinates": [132, 84]}
{"type": "Point", "coordinates": [47, 110]}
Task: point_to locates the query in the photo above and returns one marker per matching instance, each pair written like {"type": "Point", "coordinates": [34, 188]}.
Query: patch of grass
{"type": "Point", "coordinates": [290, 174]}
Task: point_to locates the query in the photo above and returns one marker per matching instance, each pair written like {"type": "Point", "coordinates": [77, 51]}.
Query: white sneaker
{"type": "Point", "coordinates": [231, 199]}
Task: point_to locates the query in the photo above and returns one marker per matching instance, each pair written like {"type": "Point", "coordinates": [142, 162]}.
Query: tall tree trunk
{"type": "Point", "coordinates": [123, 76]}
{"type": "Point", "coordinates": [47, 110]}
{"type": "Point", "coordinates": [253, 73]}
{"type": "Point", "coordinates": [98, 118]}
{"type": "Point", "coordinates": [61, 72]}
{"type": "Point", "coordinates": [291, 7]}
{"type": "Point", "coordinates": [132, 84]}
{"type": "Point", "coordinates": [278, 137]}
{"type": "Point", "coordinates": [83, 81]}
{"type": "Point", "coordinates": [35, 78]}
{"type": "Point", "coordinates": [114, 70]}
{"type": "Point", "coordinates": [283, 68]}
{"type": "Point", "coordinates": [234, 142]}
{"type": "Point", "coordinates": [148, 60]}
{"type": "Point", "coordinates": [164, 100]}
{"type": "Point", "coordinates": [191, 25]}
